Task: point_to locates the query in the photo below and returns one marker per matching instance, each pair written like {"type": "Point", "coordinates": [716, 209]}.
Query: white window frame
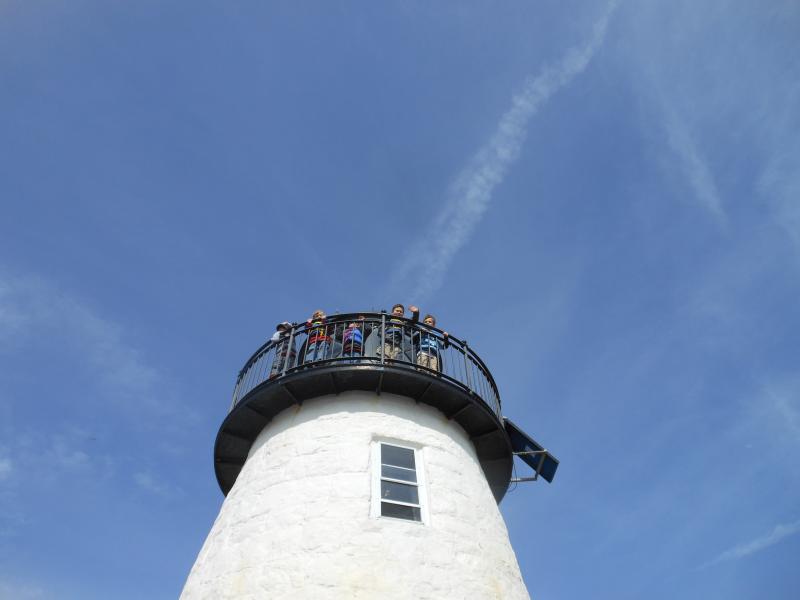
{"type": "Point", "coordinates": [375, 506]}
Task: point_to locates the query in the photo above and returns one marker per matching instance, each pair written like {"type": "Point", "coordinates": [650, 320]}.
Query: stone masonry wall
{"type": "Point", "coordinates": [297, 522]}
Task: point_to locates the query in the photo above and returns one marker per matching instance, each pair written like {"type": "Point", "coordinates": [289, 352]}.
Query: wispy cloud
{"type": "Point", "coordinates": [148, 482]}
{"type": "Point", "coordinates": [119, 394]}
{"type": "Point", "coordinates": [729, 117]}
{"type": "Point", "coordinates": [776, 411]}
{"type": "Point", "coordinates": [779, 182]}
{"type": "Point", "coordinates": [32, 312]}
{"type": "Point", "coordinates": [693, 164]}
{"type": "Point", "coordinates": [67, 456]}
{"type": "Point", "coordinates": [782, 187]}
{"type": "Point", "coordinates": [21, 591]}
{"type": "Point", "coordinates": [6, 467]}
{"type": "Point", "coordinates": [471, 192]}
{"type": "Point", "coordinates": [39, 457]}
{"type": "Point", "coordinates": [747, 548]}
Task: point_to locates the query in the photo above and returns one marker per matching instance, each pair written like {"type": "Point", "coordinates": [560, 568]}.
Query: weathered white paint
{"type": "Point", "coordinates": [297, 522]}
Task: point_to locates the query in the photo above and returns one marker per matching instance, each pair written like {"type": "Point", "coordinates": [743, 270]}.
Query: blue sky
{"type": "Point", "coordinates": [603, 199]}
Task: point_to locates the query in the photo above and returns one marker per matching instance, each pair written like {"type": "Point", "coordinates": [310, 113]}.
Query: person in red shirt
{"type": "Point", "coordinates": [318, 342]}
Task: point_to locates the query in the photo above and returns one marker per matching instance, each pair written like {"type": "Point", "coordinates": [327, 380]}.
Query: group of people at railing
{"type": "Point", "coordinates": [391, 337]}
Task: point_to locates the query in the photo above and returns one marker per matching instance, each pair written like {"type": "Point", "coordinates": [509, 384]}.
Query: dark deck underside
{"type": "Point", "coordinates": [260, 405]}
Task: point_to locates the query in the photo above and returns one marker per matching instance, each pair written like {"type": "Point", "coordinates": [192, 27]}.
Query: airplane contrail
{"type": "Point", "coordinates": [471, 192]}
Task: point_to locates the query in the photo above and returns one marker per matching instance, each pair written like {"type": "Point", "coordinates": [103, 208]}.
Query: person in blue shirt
{"type": "Point", "coordinates": [353, 337]}
{"type": "Point", "coordinates": [429, 346]}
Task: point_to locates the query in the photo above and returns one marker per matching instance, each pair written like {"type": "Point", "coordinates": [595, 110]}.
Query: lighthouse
{"type": "Point", "coordinates": [364, 456]}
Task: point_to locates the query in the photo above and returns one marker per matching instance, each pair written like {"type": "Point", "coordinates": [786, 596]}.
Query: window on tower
{"type": "Point", "coordinates": [398, 490]}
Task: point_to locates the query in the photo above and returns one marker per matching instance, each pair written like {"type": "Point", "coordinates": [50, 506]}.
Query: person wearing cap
{"type": "Point", "coordinates": [283, 349]}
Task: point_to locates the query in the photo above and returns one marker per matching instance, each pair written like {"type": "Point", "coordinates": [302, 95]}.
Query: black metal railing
{"type": "Point", "coordinates": [369, 339]}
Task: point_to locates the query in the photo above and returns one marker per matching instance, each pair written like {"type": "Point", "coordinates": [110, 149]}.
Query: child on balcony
{"type": "Point", "coordinates": [353, 337]}
{"type": "Point", "coordinates": [318, 342]}
{"type": "Point", "coordinates": [429, 346]}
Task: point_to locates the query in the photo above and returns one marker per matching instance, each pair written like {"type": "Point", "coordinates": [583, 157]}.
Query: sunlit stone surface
{"type": "Point", "coordinates": [297, 522]}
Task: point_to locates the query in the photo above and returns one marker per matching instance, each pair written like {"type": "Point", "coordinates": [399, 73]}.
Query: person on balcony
{"type": "Point", "coordinates": [283, 349]}
{"type": "Point", "coordinates": [397, 339]}
{"type": "Point", "coordinates": [429, 346]}
{"type": "Point", "coordinates": [318, 342]}
{"type": "Point", "coordinates": [353, 337]}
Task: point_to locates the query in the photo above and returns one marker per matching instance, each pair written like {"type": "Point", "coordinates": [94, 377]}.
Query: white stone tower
{"type": "Point", "coordinates": [357, 467]}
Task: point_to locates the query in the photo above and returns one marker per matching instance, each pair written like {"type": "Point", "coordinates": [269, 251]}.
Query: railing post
{"type": "Point", "coordinates": [236, 390]}
{"type": "Point", "coordinates": [382, 348]}
{"type": "Point", "coordinates": [288, 351]}
{"type": "Point", "coordinates": [466, 365]}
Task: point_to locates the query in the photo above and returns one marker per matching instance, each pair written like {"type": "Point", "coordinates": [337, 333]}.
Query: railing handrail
{"type": "Point", "coordinates": [374, 319]}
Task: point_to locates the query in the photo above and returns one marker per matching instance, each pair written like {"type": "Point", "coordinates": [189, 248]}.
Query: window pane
{"type": "Point", "coordinates": [398, 457]}
{"type": "Point", "coordinates": [399, 491]}
{"type": "Point", "coordinates": [398, 473]}
{"type": "Point", "coordinates": [398, 511]}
